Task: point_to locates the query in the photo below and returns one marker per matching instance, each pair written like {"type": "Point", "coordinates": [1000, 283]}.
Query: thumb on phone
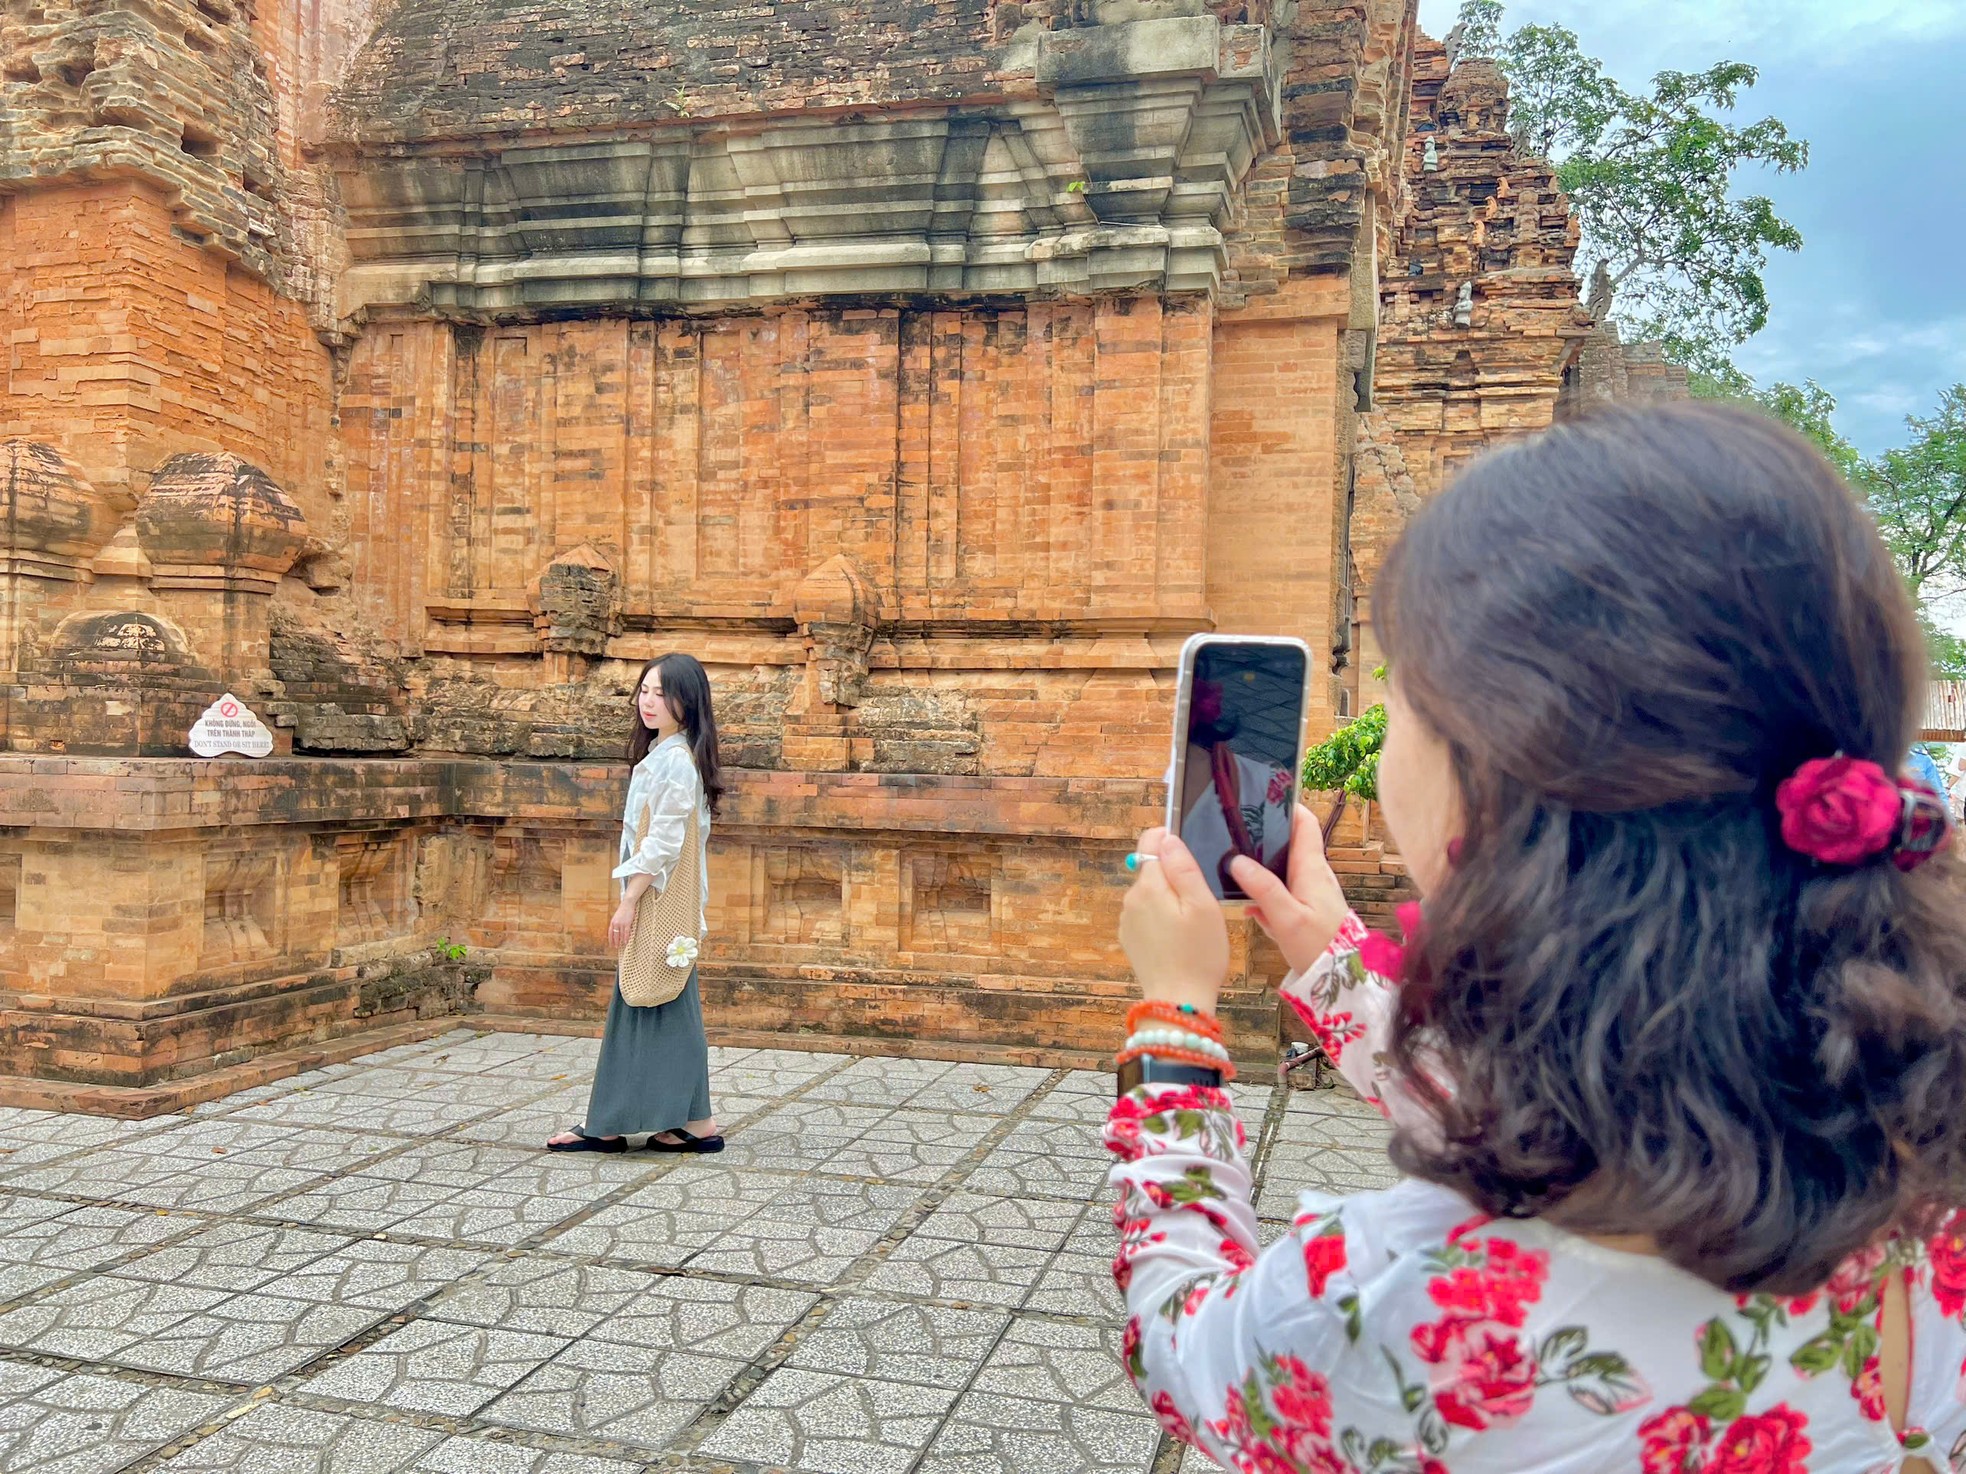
{"type": "Point", "coordinates": [1303, 916]}
{"type": "Point", "coordinates": [1182, 871]}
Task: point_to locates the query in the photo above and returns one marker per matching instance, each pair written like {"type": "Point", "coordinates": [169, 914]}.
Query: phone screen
{"type": "Point", "coordinates": [1237, 773]}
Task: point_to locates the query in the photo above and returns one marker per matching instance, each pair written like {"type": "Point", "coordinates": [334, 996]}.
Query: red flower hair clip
{"type": "Point", "coordinates": [1844, 811]}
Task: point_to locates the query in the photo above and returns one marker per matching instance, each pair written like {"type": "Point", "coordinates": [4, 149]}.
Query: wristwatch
{"type": "Point", "coordinates": [1148, 1070]}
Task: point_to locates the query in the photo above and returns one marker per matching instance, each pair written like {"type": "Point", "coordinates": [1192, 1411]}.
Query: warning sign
{"type": "Point", "coordinates": [229, 726]}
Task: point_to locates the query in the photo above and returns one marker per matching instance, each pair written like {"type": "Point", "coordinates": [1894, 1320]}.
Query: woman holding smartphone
{"type": "Point", "coordinates": [654, 1070]}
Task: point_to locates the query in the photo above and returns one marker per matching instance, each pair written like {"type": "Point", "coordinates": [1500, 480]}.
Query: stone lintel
{"type": "Point", "coordinates": [173, 795]}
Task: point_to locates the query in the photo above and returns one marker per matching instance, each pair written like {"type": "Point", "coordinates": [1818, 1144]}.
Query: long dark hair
{"type": "Point", "coordinates": [686, 687]}
{"type": "Point", "coordinates": [1657, 1019]}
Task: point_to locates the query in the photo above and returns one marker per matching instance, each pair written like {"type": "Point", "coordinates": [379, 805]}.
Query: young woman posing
{"type": "Point", "coordinates": [654, 1071]}
{"type": "Point", "coordinates": [1674, 1047]}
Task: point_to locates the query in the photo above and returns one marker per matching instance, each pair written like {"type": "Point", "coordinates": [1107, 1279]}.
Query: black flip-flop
{"type": "Point", "coordinates": [589, 1144]}
{"type": "Point", "coordinates": [700, 1145]}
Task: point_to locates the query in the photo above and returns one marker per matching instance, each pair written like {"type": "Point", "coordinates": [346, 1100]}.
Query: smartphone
{"type": "Point", "coordinates": [1238, 751]}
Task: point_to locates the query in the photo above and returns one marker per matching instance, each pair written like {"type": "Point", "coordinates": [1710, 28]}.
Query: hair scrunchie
{"type": "Point", "coordinates": [1845, 811]}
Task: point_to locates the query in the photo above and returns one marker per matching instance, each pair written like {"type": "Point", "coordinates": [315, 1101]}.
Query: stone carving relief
{"type": "Point", "coordinates": [838, 610]}
{"type": "Point", "coordinates": [802, 896]}
{"type": "Point", "coordinates": [576, 602]}
{"type": "Point", "coordinates": [242, 893]}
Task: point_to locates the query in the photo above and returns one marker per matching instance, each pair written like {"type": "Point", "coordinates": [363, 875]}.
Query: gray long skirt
{"type": "Point", "coordinates": [654, 1072]}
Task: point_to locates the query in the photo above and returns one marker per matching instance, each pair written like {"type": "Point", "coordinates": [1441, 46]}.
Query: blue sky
{"type": "Point", "coordinates": [1874, 305]}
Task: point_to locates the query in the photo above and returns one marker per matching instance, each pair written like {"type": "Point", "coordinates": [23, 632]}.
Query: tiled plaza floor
{"type": "Point", "coordinates": [897, 1266]}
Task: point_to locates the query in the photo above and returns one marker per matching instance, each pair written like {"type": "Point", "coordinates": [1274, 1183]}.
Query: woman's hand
{"type": "Point", "coordinates": [1304, 916]}
{"type": "Point", "coordinates": [621, 923]}
{"type": "Point", "coordinates": [1172, 926]}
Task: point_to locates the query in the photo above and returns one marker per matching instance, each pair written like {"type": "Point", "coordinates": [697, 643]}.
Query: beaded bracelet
{"type": "Point", "coordinates": [1181, 1016]}
{"type": "Point", "coordinates": [1176, 1039]}
{"type": "Point", "coordinates": [1225, 1068]}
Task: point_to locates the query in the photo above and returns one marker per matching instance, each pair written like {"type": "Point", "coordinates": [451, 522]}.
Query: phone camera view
{"type": "Point", "coordinates": [1245, 716]}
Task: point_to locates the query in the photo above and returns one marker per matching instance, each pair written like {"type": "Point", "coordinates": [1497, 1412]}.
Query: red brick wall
{"type": "Point", "coordinates": [126, 344]}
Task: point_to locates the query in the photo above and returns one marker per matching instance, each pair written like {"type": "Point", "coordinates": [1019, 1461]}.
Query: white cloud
{"type": "Point", "coordinates": [1656, 34]}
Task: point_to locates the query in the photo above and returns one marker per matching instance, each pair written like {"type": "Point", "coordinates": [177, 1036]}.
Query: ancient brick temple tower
{"type": "Point", "coordinates": [930, 368]}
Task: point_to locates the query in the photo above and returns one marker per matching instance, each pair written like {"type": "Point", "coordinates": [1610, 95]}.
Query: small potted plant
{"type": "Point", "coordinates": [1347, 762]}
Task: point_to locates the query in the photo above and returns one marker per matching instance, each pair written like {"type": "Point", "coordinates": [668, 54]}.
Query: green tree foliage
{"type": "Point", "coordinates": [1811, 409]}
{"type": "Point", "coordinates": [1652, 178]}
{"type": "Point", "coordinates": [1918, 495]}
{"type": "Point", "coordinates": [1347, 762]}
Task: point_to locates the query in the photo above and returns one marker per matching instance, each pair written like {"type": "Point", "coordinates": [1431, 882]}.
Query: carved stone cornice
{"type": "Point", "coordinates": [1104, 158]}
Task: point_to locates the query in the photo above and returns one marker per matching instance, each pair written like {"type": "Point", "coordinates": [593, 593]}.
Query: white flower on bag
{"type": "Point", "coordinates": [682, 951]}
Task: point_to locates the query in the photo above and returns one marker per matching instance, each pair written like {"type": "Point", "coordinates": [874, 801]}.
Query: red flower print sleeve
{"type": "Point", "coordinates": [1348, 1006]}
{"type": "Point", "coordinates": [1231, 1352]}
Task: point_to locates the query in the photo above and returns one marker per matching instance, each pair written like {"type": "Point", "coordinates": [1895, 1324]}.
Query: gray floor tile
{"type": "Point", "coordinates": [498, 1219]}
{"type": "Point", "coordinates": [810, 1421]}
{"type": "Point", "coordinates": [88, 1238]}
{"type": "Point", "coordinates": [55, 1423]}
{"type": "Point", "coordinates": [250, 1339]}
{"type": "Point", "coordinates": [825, 1204]}
{"type": "Point", "coordinates": [437, 1367]}
{"type": "Point", "coordinates": [1050, 1361]}
{"type": "Point", "coordinates": [596, 1389]}
{"type": "Point", "coordinates": [635, 1235]}
{"type": "Point", "coordinates": [363, 1204]}
{"type": "Point", "coordinates": [590, 1175]}
{"type": "Point", "coordinates": [554, 1296]}
{"type": "Point", "coordinates": [898, 1341]}
{"type": "Point", "coordinates": [18, 1210]}
{"type": "Point", "coordinates": [17, 1280]}
{"type": "Point", "coordinates": [1057, 1138]}
{"type": "Point", "coordinates": [1027, 1223]}
{"type": "Point", "coordinates": [261, 1235]}
{"type": "Point", "coordinates": [235, 1256]}
{"type": "Point", "coordinates": [1078, 1284]}
{"type": "Point", "coordinates": [709, 1316]}
{"type": "Point", "coordinates": [893, 1161]}
{"type": "Point", "coordinates": [95, 1317]}
{"type": "Point", "coordinates": [974, 1273]}
{"type": "Point", "coordinates": [368, 1113]}
{"type": "Point", "coordinates": [1086, 1110]}
{"type": "Point", "coordinates": [458, 1164]}
{"type": "Point", "coordinates": [772, 1249]}
{"type": "Point", "coordinates": [381, 1276]}
{"type": "Point", "coordinates": [992, 1434]}
{"type": "Point", "coordinates": [294, 1440]}
{"type": "Point", "coordinates": [1024, 1174]}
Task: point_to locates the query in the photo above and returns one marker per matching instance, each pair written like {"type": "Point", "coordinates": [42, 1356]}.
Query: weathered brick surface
{"type": "Point", "coordinates": [468, 68]}
{"type": "Point", "coordinates": [251, 905]}
{"type": "Point", "coordinates": [931, 370]}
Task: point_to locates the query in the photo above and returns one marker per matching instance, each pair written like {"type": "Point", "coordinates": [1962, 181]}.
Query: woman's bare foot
{"type": "Point", "coordinates": [568, 1138]}
{"type": "Point", "coordinates": [706, 1127]}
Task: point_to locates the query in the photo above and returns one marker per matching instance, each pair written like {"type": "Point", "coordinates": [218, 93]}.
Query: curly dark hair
{"type": "Point", "coordinates": [1658, 1019]}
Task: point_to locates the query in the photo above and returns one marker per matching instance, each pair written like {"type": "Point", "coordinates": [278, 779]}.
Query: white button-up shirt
{"type": "Point", "coordinates": [666, 783]}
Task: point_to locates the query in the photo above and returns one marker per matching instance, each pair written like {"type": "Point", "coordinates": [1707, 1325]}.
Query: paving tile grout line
{"type": "Point", "coordinates": [942, 1423]}
{"type": "Point", "coordinates": [203, 1219]}
{"type": "Point", "coordinates": [714, 1416]}
{"type": "Point", "coordinates": [285, 1390]}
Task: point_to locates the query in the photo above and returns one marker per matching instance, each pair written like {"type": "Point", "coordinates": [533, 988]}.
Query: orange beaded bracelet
{"type": "Point", "coordinates": [1180, 1016]}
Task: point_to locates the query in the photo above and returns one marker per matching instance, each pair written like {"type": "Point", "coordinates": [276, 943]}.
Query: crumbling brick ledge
{"type": "Point", "coordinates": [173, 930]}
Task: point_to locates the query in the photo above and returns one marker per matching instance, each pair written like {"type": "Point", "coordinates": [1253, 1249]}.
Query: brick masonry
{"type": "Point", "coordinates": [929, 370]}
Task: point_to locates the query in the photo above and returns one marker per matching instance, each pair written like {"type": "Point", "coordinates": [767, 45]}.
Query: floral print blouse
{"type": "Point", "coordinates": [666, 783]}
{"type": "Point", "coordinates": [1397, 1332]}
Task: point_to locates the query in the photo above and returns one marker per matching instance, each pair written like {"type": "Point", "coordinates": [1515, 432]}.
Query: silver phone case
{"type": "Point", "coordinates": [1184, 693]}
